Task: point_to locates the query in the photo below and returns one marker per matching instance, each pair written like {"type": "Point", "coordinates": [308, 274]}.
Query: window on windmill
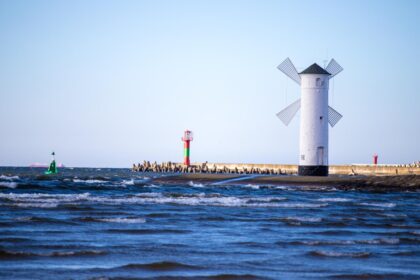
{"type": "Point", "coordinates": [318, 82]}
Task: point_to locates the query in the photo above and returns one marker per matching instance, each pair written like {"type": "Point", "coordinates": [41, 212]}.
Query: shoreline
{"type": "Point", "coordinates": [368, 183]}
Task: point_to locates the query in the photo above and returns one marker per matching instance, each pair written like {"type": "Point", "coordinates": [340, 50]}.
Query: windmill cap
{"type": "Point", "coordinates": [315, 69]}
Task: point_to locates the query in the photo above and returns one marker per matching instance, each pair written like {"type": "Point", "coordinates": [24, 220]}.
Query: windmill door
{"type": "Point", "coordinates": [320, 155]}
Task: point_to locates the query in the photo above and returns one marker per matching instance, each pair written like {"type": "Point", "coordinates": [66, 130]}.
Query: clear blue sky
{"type": "Point", "coordinates": [109, 83]}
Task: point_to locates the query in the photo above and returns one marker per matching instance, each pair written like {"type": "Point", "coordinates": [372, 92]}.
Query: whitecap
{"type": "Point", "coordinates": [35, 199]}
{"type": "Point", "coordinates": [340, 254]}
{"type": "Point", "coordinates": [11, 185]}
{"type": "Point", "coordinates": [153, 186]}
{"type": "Point", "coordinates": [334, 199]}
{"type": "Point", "coordinates": [124, 220]}
{"type": "Point", "coordinates": [255, 187]}
{"type": "Point", "coordinates": [128, 182]}
{"type": "Point", "coordinates": [36, 205]}
{"type": "Point", "coordinates": [302, 205]}
{"type": "Point", "coordinates": [303, 219]}
{"type": "Point", "coordinates": [386, 205]}
{"type": "Point", "coordinates": [195, 185]}
{"type": "Point", "coordinates": [9, 178]}
{"type": "Point", "coordinates": [89, 181]}
{"type": "Point", "coordinates": [39, 199]}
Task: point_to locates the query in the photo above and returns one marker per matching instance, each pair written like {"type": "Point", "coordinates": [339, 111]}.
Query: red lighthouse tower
{"type": "Point", "coordinates": [188, 136]}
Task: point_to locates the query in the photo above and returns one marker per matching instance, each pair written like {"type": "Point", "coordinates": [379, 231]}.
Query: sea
{"type": "Point", "coordinates": [104, 223]}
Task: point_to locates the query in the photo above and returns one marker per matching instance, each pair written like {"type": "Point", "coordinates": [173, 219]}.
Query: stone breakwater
{"type": "Point", "coordinates": [211, 168]}
{"type": "Point", "coordinates": [274, 169]}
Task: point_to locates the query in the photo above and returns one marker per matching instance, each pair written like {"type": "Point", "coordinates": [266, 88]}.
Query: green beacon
{"type": "Point", "coordinates": [53, 167]}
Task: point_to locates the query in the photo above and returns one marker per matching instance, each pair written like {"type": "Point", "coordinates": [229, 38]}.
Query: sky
{"type": "Point", "coordinates": [111, 83]}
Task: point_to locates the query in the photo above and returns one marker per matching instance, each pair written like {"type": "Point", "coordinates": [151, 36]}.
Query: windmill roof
{"type": "Point", "coordinates": [315, 69]}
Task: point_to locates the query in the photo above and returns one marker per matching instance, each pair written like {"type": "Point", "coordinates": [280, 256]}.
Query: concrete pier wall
{"type": "Point", "coordinates": [356, 169]}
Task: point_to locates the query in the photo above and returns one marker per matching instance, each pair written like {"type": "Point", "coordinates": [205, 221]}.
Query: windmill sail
{"type": "Point", "coordinates": [289, 69]}
{"type": "Point", "coordinates": [333, 68]}
{"type": "Point", "coordinates": [287, 114]}
{"type": "Point", "coordinates": [333, 116]}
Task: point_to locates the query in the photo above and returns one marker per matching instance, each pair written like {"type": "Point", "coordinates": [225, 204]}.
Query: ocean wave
{"type": "Point", "coordinates": [130, 182]}
{"type": "Point", "coordinates": [75, 253]}
{"type": "Point", "coordinates": [152, 186]}
{"type": "Point", "coordinates": [6, 254]}
{"type": "Point", "coordinates": [149, 231]}
{"type": "Point", "coordinates": [123, 220]}
{"type": "Point", "coordinates": [50, 197]}
{"type": "Point", "coordinates": [378, 241]}
{"type": "Point", "coordinates": [43, 220]}
{"type": "Point", "coordinates": [35, 205]}
{"type": "Point", "coordinates": [14, 239]}
{"type": "Point", "coordinates": [302, 205]}
{"type": "Point", "coordinates": [383, 205]}
{"type": "Point", "coordinates": [369, 276]}
{"type": "Point", "coordinates": [159, 266]}
{"type": "Point", "coordinates": [41, 200]}
{"type": "Point", "coordinates": [252, 186]}
{"type": "Point", "coordinates": [9, 178]}
{"type": "Point", "coordinates": [302, 219]}
{"type": "Point", "coordinates": [11, 185]}
{"type": "Point", "coordinates": [336, 254]}
{"type": "Point", "coordinates": [334, 199]}
{"type": "Point", "coordinates": [335, 232]}
{"type": "Point", "coordinates": [195, 185]}
{"type": "Point", "coordinates": [89, 181]}
{"type": "Point", "coordinates": [202, 199]}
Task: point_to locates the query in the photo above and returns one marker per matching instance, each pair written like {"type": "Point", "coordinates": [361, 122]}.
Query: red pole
{"type": "Point", "coordinates": [375, 159]}
{"type": "Point", "coordinates": [187, 152]}
{"type": "Point", "coordinates": [188, 137]}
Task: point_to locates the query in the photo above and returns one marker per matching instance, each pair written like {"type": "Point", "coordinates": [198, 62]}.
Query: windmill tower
{"type": "Point", "coordinates": [315, 115]}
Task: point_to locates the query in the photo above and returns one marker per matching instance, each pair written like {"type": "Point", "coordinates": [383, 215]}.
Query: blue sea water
{"type": "Point", "coordinates": [87, 223]}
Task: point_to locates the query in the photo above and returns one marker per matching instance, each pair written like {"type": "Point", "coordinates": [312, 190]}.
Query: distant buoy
{"type": "Point", "coordinates": [52, 169]}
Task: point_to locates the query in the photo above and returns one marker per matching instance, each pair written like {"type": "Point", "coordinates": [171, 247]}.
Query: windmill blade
{"type": "Point", "coordinates": [333, 68]}
{"type": "Point", "coordinates": [287, 114]}
{"type": "Point", "coordinates": [333, 116]}
{"type": "Point", "coordinates": [289, 69]}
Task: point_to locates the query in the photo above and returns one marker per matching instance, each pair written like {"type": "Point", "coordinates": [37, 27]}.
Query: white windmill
{"type": "Point", "coordinates": [315, 115]}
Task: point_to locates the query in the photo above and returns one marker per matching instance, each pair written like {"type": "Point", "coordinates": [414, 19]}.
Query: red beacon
{"type": "Point", "coordinates": [188, 136]}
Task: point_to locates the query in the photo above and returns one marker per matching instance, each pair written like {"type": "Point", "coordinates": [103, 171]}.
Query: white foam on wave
{"type": "Point", "coordinates": [11, 185]}
{"type": "Point", "coordinates": [340, 254]}
{"type": "Point", "coordinates": [378, 241]}
{"type": "Point", "coordinates": [195, 185]}
{"type": "Point", "coordinates": [128, 182]}
{"type": "Point", "coordinates": [334, 199]}
{"type": "Point", "coordinates": [255, 187]}
{"type": "Point", "coordinates": [152, 186]}
{"type": "Point", "coordinates": [89, 181]}
{"type": "Point", "coordinates": [9, 178]}
{"type": "Point", "coordinates": [42, 200]}
{"type": "Point", "coordinates": [383, 205]}
{"type": "Point", "coordinates": [214, 199]}
{"type": "Point", "coordinates": [390, 241]}
{"type": "Point", "coordinates": [36, 205]}
{"type": "Point", "coordinates": [124, 220]}
{"type": "Point", "coordinates": [303, 219]}
{"type": "Point", "coordinates": [302, 205]}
